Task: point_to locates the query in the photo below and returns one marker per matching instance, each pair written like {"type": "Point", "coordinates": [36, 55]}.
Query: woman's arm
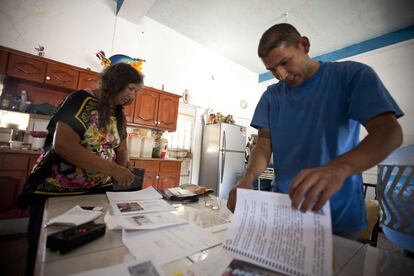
{"type": "Point", "coordinates": [66, 143]}
{"type": "Point", "coordinates": [122, 154]}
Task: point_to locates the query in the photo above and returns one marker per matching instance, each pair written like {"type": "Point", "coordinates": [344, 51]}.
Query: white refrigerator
{"type": "Point", "coordinates": [222, 157]}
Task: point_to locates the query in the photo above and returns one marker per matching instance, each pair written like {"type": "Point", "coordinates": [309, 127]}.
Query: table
{"type": "Point", "coordinates": [350, 257]}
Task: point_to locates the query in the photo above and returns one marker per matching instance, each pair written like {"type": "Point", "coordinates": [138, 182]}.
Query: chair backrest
{"type": "Point", "coordinates": [395, 192]}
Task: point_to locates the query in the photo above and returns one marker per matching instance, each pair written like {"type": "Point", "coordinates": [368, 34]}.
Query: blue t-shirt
{"type": "Point", "coordinates": [314, 123]}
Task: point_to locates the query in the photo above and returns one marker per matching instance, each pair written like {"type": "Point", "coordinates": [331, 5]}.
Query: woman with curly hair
{"type": "Point", "coordinates": [85, 149]}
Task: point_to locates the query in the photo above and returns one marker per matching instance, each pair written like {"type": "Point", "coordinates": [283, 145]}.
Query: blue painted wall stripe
{"type": "Point", "coordinates": [118, 5]}
{"type": "Point", "coordinates": [359, 48]}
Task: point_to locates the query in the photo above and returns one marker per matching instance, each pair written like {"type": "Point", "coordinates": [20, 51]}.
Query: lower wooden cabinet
{"type": "Point", "coordinates": [160, 174]}
{"type": "Point", "coordinates": [13, 174]}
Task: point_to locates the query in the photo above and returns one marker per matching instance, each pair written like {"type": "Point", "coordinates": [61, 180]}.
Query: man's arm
{"type": "Point", "coordinates": [258, 161]}
{"type": "Point", "coordinates": [316, 185]}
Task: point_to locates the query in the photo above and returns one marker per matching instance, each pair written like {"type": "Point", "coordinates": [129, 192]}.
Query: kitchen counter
{"type": "Point", "coordinates": [8, 150]}
{"type": "Point", "coordinates": [154, 159]}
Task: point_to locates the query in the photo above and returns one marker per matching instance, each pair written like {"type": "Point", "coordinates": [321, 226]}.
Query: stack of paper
{"type": "Point", "coordinates": [149, 227]}
{"type": "Point", "coordinates": [267, 232]}
{"type": "Point", "coordinates": [76, 216]}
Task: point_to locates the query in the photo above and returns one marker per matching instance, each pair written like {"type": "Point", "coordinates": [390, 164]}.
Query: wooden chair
{"type": "Point", "coordinates": [370, 234]}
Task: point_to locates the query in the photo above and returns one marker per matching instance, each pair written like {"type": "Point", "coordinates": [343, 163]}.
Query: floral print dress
{"type": "Point", "coordinates": [52, 175]}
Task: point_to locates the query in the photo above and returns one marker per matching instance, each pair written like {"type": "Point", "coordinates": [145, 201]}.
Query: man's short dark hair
{"type": "Point", "coordinates": [275, 36]}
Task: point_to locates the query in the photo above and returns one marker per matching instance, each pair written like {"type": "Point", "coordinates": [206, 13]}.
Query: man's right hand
{"type": "Point", "coordinates": [231, 201]}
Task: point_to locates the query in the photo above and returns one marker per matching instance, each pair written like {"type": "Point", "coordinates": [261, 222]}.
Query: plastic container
{"type": "Point", "coordinates": [16, 144]}
{"type": "Point", "coordinates": [23, 99]}
{"type": "Point", "coordinates": [38, 143]}
{"type": "Point", "coordinates": [134, 143]}
{"type": "Point", "coordinates": [146, 147]}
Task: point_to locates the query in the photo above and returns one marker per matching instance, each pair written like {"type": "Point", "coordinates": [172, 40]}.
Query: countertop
{"type": "Point", "coordinates": [154, 159]}
{"type": "Point", "coordinates": [8, 150]}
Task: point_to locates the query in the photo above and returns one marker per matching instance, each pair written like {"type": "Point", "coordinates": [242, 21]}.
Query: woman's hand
{"type": "Point", "coordinates": [123, 175]}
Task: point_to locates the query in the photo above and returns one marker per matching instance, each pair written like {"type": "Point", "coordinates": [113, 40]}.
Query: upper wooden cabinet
{"type": "Point", "coordinates": [87, 80]}
{"type": "Point", "coordinates": [146, 108]}
{"type": "Point", "coordinates": [3, 61]}
{"type": "Point", "coordinates": [60, 75]}
{"type": "Point", "coordinates": [168, 112]}
{"type": "Point", "coordinates": [156, 109]}
{"type": "Point", "coordinates": [26, 68]}
{"type": "Point", "coordinates": [129, 111]}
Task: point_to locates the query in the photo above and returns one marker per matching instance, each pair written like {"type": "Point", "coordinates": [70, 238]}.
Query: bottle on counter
{"type": "Point", "coordinates": [23, 99]}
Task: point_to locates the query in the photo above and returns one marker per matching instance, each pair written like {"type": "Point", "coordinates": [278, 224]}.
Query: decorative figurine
{"type": "Point", "coordinates": [134, 62]}
{"type": "Point", "coordinates": [40, 50]}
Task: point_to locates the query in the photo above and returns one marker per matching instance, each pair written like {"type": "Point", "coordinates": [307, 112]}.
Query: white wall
{"type": "Point", "coordinates": [73, 31]}
{"type": "Point", "coordinates": [395, 66]}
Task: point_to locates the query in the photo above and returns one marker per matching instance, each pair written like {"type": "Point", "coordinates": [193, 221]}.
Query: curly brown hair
{"type": "Point", "coordinates": [113, 80]}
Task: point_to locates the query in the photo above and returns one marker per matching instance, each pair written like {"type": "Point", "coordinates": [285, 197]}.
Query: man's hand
{"type": "Point", "coordinates": [231, 201]}
{"type": "Point", "coordinates": [313, 187]}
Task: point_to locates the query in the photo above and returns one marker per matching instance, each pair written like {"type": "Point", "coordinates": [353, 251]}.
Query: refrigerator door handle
{"type": "Point", "coordinates": [223, 162]}
{"type": "Point", "coordinates": [223, 156]}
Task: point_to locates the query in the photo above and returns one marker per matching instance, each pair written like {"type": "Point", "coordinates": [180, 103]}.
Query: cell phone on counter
{"type": "Point", "coordinates": [135, 186]}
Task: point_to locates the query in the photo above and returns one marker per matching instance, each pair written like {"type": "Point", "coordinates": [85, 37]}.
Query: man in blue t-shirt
{"type": "Point", "coordinates": [311, 120]}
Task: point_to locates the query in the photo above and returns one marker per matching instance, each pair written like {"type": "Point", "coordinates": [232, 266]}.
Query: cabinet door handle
{"type": "Point", "coordinates": [25, 72]}
{"type": "Point", "coordinates": [157, 177]}
{"type": "Point", "coordinates": [57, 78]}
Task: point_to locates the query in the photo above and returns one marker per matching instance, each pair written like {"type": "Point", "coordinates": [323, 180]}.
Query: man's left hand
{"type": "Point", "coordinates": [312, 188]}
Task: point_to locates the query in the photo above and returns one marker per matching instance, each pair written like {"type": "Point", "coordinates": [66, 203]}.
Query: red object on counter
{"type": "Point", "coordinates": [38, 134]}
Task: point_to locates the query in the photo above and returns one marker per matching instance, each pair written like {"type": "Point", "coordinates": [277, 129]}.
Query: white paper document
{"type": "Point", "coordinates": [140, 207]}
{"type": "Point", "coordinates": [76, 216]}
{"type": "Point", "coordinates": [213, 265]}
{"type": "Point", "coordinates": [146, 194]}
{"type": "Point", "coordinates": [144, 267]}
{"type": "Point", "coordinates": [168, 244]}
{"type": "Point", "coordinates": [266, 231]}
{"type": "Point", "coordinates": [143, 221]}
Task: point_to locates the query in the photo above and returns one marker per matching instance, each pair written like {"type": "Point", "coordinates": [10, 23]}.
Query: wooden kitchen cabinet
{"type": "Point", "coordinates": [129, 111]}
{"type": "Point", "coordinates": [156, 109]}
{"type": "Point", "coordinates": [87, 80]}
{"type": "Point", "coordinates": [169, 175]}
{"type": "Point", "coordinates": [146, 108]}
{"type": "Point", "coordinates": [160, 174]}
{"type": "Point", "coordinates": [3, 61]}
{"type": "Point", "coordinates": [62, 76]}
{"type": "Point", "coordinates": [26, 68]}
{"type": "Point", "coordinates": [13, 173]}
{"type": "Point", "coordinates": [168, 112]}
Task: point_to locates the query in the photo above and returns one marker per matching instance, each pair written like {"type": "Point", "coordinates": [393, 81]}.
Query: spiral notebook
{"type": "Point", "coordinates": [267, 232]}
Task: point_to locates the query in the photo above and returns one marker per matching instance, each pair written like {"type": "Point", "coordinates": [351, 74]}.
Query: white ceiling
{"type": "Point", "coordinates": [233, 28]}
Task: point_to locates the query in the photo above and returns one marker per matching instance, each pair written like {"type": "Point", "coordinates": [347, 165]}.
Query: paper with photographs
{"type": "Point", "coordinates": [139, 267]}
{"type": "Point", "coordinates": [149, 193]}
{"type": "Point", "coordinates": [143, 221]}
{"type": "Point", "coordinates": [266, 231]}
{"type": "Point", "coordinates": [140, 207]}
